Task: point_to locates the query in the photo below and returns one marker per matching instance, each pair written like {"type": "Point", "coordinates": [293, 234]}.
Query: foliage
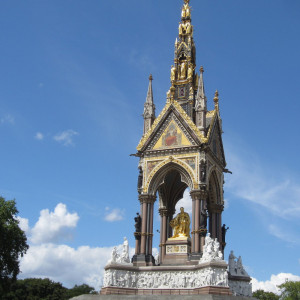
{"type": "Point", "coordinates": [35, 289]}
{"type": "Point", "coordinates": [44, 289]}
{"type": "Point", "coordinates": [262, 295]}
{"type": "Point", "coordinates": [78, 290]}
{"type": "Point", "coordinates": [13, 243]}
{"type": "Point", "coordinates": [290, 290]}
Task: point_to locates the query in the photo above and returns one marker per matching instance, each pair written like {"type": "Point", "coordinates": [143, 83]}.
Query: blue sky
{"type": "Point", "coordinates": [73, 81]}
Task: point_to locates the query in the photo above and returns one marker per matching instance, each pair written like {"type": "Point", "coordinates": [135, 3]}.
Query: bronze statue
{"type": "Point", "coordinates": [203, 220]}
{"type": "Point", "coordinates": [140, 180]}
{"type": "Point", "coordinates": [224, 230]}
{"type": "Point", "coordinates": [202, 171]}
{"type": "Point", "coordinates": [181, 225]}
{"type": "Point", "coordinates": [138, 223]}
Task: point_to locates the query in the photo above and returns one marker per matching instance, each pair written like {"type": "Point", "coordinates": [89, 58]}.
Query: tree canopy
{"type": "Point", "coordinates": [13, 243]}
{"type": "Point", "coordinates": [290, 290]}
{"type": "Point", "coordinates": [262, 295]}
{"type": "Point", "coordinates": [44, 289]}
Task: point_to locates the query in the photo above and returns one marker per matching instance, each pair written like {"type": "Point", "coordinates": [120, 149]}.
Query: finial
{"type": "Point", "coordinates": [186, 1]}
{"type": "Point", "coordinates": [201, 70]}
{"type": "Point", "coordinates": [150, 77]}
{"type": "Point", "coordinates": [216, 99]}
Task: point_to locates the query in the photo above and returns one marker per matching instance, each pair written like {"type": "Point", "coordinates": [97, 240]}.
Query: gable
{"type": "Point", "coordinates": [216, 143]}
{"type": "Point", "coordinates": [190, 134]}
{"type": "Point", "coordinates": [173, 136]}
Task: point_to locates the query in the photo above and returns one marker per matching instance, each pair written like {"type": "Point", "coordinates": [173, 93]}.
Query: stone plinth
{"type": "Point", "coordinates": [177, 251]}
{"type": "Point", "coordinates": [206, 278]}
{"type": "Point", "coordinates": [161, 297]}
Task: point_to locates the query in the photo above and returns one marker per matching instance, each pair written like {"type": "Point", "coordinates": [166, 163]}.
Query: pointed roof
{"type": "Point", "coordinates": [149, 107]}
{"type": "Point", "coordinates": [170, 105]}
{"type": "Point", "coordinates": [200, 97]}
{"type": "Point", "coordinates": [149, 98]}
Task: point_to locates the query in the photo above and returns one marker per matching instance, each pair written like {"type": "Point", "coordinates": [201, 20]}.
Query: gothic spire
{"type": "Point", "coordinates": [201, 104]}
{"type": "Point", "coordinates": [149, 107]}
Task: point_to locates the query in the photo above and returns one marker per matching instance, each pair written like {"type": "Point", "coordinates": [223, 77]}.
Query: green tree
{"type": "Point", "coordinates": [36, 289]}
{"type": "Point", "coordinates": [262, 295]}
{"type": "Point", "coordinates": [13, 243]}
{"type": "Point", "coordinates": [290, 290]}
{"type": "Point", "coordinates": [44, 289]}
{"type": "Point", "coordinates": [78, 290]}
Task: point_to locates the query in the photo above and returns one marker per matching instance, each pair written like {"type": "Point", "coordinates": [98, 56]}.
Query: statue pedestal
{"type": "Point", "coordinates": [206, 278]}
{"type": "Point", "coordinates": [177, 251]}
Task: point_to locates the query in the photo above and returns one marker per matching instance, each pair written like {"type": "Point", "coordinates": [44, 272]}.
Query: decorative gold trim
{"type": "Point", "coordinates": [160, 159]}
{"type": "Point", "coordinates": [210, 113]}
{"type": "Point", "coordinates": [156, 121]}
{"type": "Point", "coordinates": [146, 234]}
{"type": "Point", "coordinates": [190, 122]}
{"type": "Point", "coordinates": [183, 114]}
{"type": "Point", "coordinates": [159, 166]}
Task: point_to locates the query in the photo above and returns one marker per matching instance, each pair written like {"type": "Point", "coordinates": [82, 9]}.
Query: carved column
{"type": "Point", "coordinates": [199, 230]}
{"type": "Point", "coordinates": [144, 250]}
{"type": "Point", "coordinates": [163, 233]}
{"type": "Point", "coordinates": [144, 228]}
{"type": "Point", "coordinates": [193, 226]}
{"type": "Point", "coordinates": [150, 229]}
{"type": "Point", "coordinates": [216, 221]}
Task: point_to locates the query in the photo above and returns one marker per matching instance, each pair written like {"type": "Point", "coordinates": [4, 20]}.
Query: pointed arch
{"type": "Point", "coordinates": [214, 188]}
{"type": "Point", "coordinates": [159, 173]}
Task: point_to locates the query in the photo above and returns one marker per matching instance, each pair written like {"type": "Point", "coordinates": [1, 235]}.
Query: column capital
{"type": "Point", "coordinates": [164, 212]}
{"type": "Point", "coordinates": [145, 198]}
{"type": "Point", "coordinates": [199, 194]}
{"type": "Point", "coordinates": [216, 208]}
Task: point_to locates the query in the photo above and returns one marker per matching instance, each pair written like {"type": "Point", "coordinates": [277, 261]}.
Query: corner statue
{"type": "Point", "coordinates": [181, 225]}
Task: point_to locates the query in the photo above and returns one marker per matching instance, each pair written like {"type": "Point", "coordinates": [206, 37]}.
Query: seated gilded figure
{"type": "Point", "coordinates": [181, 225]}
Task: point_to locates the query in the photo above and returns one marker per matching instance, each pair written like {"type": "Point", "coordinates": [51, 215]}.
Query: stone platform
{"type": "Point", "coordinates": [161, 297]}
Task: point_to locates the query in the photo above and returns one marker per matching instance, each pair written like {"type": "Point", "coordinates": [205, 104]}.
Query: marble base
{"type": "Point", "coordinates": [198, 291]}
{"type": "Point", "coordinates": [177, 252]}
{"type": "Point", "coordinates": [161, 297]}
{"type": "Point", "coordinates": [206, 278]}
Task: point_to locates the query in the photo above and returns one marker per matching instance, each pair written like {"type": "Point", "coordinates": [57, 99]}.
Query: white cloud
{"type": "Point", "coordinates": [66, 137]}
{"type": "Point", "coordinates": [8, 119]}
{"type": "Point", "coordinates": [52, 226]}
{"type": "Point", "coordinates": [66, 264]}
{"type": "Point", "coordinates": [272, 284]}
{"type": "Point", "coordinates": [39, 136]}
{"type": "Point", "coordinates": [113, 215]}
{"type": "Point", "coordinates": [24, 224]}
{"type": "Point", "coordinates": [185, 202]}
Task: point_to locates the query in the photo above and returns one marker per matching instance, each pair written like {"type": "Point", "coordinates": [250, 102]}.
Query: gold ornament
{"type": "Point", "coordinates": [181, 225]}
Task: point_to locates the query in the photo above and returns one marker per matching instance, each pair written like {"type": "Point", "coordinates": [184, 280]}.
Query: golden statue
{"type": "Point", "coordinates": [181, 29]}
{"type": "Point", "coordinates": [183, 70]}
{"type": "Point", "coordinates": [190, 71]}
{"type": "Point", "coordinates": [186, 12]}
{"type": "Point", "coordinates": [173, 73]}
{"type": "Point", "coordinates": [189, 28]}
{"type": "Point", "coordinates": [181, 225]}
